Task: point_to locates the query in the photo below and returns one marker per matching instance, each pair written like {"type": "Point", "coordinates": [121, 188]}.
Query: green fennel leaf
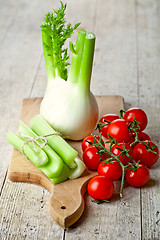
{"type": "Point", "coordinates": [57, 31]}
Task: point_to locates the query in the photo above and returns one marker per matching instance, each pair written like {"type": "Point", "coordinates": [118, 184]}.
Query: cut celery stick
{"type": "Point", "coordinates": [63, 177]}
{"type": "Point", "coordinates": [77, 172]}
{"type": "Point", "coordinates": [55, 165]}
{"type": "Point", "coordinates": [38, 158]}
{"type": "Point", "coordinates": [40, 126]}
{"type": "Point", "coordinates": [51, 170]}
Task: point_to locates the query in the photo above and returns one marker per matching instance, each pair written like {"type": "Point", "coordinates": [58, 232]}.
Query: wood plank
{"type": "Point", "coordinates": [24, 213]}
{"type": "Point", "coordinates": [20, 43]}
{"type": "Point", "coordinates": [7, 12]}
{"type": "Point", "coordinates": [115, 66]}
{"type": "Point", "coordinates": [148, 16]}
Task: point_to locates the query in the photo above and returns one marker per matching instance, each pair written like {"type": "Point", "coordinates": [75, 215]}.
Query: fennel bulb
{"type": "Point", "coordinates": [68, 104]}
{"type": "Point", "coordinates": [69, 110]}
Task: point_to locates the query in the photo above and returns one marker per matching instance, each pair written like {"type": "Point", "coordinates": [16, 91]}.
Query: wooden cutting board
{"type": "Point", "coordinates": [66, 204]}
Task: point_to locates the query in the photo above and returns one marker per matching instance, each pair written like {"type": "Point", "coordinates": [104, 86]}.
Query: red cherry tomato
{"type": "Point", "coordinates": [91, 158]}
{"type": "Point", "coordinates": [138, 177]}
{"type": "Point", "coordinates": [90, 138]}
{"type": "Point", "coordinates": [124, 159]}
{"type": "Point", "coordinates": [139, 115]}
{"type": "Point", "coordinates": [113, 170]}
{"type": "Point", "coordinates": [142, 136]}
{"type": "Point", "coordinates": [131, 140]}
{"type": "Point", "coordinates": [147, 158]}
{"type": "Point", "coordinates": [118, 129]}
{"type": "Point", "coordinates": [109, 118]}
{"type": "Point", "coordinates": [100, 187]}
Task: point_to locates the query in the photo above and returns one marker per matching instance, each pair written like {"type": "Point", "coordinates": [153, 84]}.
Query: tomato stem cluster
{"type": "Point", "coordinates": [101, 149]}
{"type": "Point", "coordinates": [102, 124]}
{"type": "Point", "coordinates": [134, 167]}
{"type": "Point", "coordinates": [112, 141]}
{"type": "Point", "coordinates": [149, 147]}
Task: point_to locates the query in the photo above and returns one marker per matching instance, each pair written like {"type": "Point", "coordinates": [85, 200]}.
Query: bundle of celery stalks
{"type": "Point", "coordinates": [57, 159]}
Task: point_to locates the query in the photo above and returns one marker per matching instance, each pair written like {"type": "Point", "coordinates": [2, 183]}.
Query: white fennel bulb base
{"type": "Point", "coordinates": [69, 110]}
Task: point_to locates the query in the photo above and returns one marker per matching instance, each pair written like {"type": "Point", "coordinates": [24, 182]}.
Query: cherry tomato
{"type": "Point", "coordinates": [118, 129]}
{"type": "Point", "coordinates": [139, 115]}
{"type": "Point", "coordinates": [142, 136]}
{"type": "Point", "coordinates": [138, 177]}
{"type": "Point", "coordinates": [113, 170]}
{"type": "Point", "coordinates": [123, 158]}
{"type": "Point", "coordinates": [100, 187]}
{"type": "Point", "coordinates": [109, 118]}
{"type": "Point", "coordinates": [91, 158]}
{"type": "Point", "coordinates": [132, 139]}
{"type": "Point", "coordinates": [90, 138]}
{"type": "Point", "coordinates": [147, 158]}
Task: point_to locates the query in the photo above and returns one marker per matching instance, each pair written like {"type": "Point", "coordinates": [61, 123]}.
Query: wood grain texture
{"type": "Point", "coordinates": [148, 15]}
{"type": "Point", "coordinates": [126, 63]}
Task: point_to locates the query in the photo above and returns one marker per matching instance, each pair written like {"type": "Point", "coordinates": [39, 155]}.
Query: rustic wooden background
{"type": "Point", "coordinates": [127, 58]}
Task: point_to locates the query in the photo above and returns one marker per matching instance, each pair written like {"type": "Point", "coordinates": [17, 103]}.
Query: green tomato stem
{"type": "Point", "coordinates": [116, 158]}
{"type": "Point", "coordinates": [121, 112]}
{"type": "Point", "coordinates": [122, 181]}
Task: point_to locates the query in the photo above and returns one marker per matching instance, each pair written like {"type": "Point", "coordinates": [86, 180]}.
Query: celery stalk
{"type": "Point", "coordinates": [38, 158]}
{"type": "Point", "coordinates": [63, 177]}
{"type": "Point", "coordinates": [70, 173]}
{"type": "Point", "coordinates": [77, 172]}
{"type": "Point", "coordinates": [55, 164]}
{"type": "Point", "coordinates": [40, 126]}
{"type": "Point", "coordinates": [51, 170]}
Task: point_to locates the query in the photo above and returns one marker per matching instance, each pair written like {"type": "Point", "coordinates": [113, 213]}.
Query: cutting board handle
{"type": "Point", "coordinates": [66, 204]}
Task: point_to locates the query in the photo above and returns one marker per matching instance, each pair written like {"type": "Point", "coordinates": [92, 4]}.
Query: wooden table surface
{"type": "Point", "coordinates": [126, 63]}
